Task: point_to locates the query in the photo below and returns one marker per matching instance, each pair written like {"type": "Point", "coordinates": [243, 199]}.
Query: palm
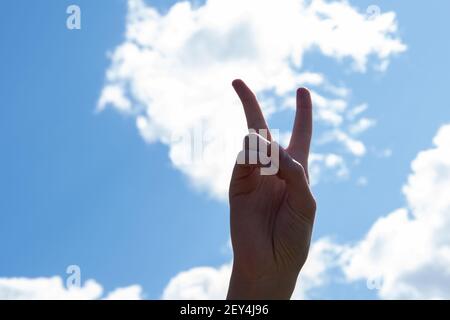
{"type": "Point", "coordinates": [272, 216]}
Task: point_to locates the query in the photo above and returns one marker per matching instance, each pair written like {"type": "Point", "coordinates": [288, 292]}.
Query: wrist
{"type": "Point", "coordinates": [272, 286]}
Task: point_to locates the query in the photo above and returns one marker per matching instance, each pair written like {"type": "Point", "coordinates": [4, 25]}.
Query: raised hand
{"type": "Point", "coordinates": [271, 215]}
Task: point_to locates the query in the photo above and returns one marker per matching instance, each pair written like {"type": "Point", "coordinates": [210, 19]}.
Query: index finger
{"type": "Point", "coordinates": [253, 113]}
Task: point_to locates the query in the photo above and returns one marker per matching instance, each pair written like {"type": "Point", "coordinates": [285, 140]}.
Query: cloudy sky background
{"type": "Point", "coordinates": [97, 170]}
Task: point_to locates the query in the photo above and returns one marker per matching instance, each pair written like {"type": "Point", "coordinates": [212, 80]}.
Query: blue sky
{"type": "Point", "coordinates": [82, 187]}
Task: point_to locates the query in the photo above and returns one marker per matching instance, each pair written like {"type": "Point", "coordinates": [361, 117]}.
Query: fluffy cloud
{"type": "Point", "coordinates": [173, 72]}
{"type": "Point", "coordinates": [362, 125]}
{"type": "Point", "coordinates": [324, 256]}
{"type": "Point", "coordinates": [133, 292]}
{"type": "Point", "coordinates": [323, 164]}
{"type": "Point", "coordinates": [54, 289]}
{"type": "Point", "coordinates": [199, 283]}
{"type": "Point", "coordinates": [408, 251]}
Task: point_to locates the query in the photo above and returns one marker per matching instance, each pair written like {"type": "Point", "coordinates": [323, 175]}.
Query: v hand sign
{"type": "Point", "coordinates": [271, 215]}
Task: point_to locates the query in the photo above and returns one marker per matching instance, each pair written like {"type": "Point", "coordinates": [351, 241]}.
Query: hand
{"type": "Point", "coordinates": [271, 215]}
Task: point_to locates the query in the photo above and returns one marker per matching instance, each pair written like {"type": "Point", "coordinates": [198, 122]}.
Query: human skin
{"type": "Point", "coordinates": [271, 216]}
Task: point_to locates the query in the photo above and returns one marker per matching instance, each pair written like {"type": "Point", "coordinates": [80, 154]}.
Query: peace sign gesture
{"type": "Point", "coordinates": [271, 215]}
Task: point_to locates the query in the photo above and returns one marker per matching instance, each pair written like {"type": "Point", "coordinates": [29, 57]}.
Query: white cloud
{"type": "Point", "coordinates": [53, 288]}
{"type": "Point", "coordinates": [362, 125]}
{"type": "Point", "coordinates": [323, 257]}
{"type": "Point", "coordinates": [352, 145]}
{"type": "Point", "coordinates": [114, 94]}
{"type": "Point", "coordinates": [200, 283]}
{"type": "Point", "coordinates": [320, 165]}
{"type": "Point", "coordinates": [173, 71]}
{"type": "Point", "coordinates": [133, 292]}
{"type": "Point", "coordinates": [409, 249]}
{"type": "Point", "coordinates": [354, 112]}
